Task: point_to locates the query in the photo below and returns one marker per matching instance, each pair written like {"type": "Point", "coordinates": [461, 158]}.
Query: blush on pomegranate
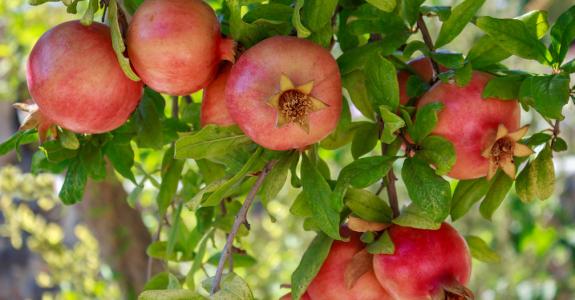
{"type": "Point", "coordinates": [285, 93]}
{"type": "Point", "coordinates": [472, 123]}
{"type": "Point", "coordinates": [425, 264]}
{"type": "Point", "coordinates": [74, 76]}
{"type": "Point", "coordinates": [176, 46]}
{"type": "Point", "coordinates": [214, 110]}
{"type": "Point", "coordinates": [329, 283]}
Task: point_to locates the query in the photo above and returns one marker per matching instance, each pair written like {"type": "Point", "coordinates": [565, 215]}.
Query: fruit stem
{"type": "Point", "coordinates": [240, 219]}
{"type": "Point", "coordinates": [429, 42]}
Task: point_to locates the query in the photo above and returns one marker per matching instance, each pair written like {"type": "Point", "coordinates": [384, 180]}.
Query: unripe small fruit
{"type": "Point", "coordinates": [214, 109]}
{"type": "Point", "coordinates": [74, 76]}
{"type": "Point", "coordinates": [176, 46]}
{"type": "Point", "coordinates": [285, 93]}
{"type": "Point", "coordinates": [425, 262]}
{"type": "Point", "coordinates": [470, 122]}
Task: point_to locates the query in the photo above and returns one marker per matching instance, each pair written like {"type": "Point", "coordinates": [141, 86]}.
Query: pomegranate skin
{"type": "Point", "coordinates": [255, 78]}
{"type": "Point", "coordinates": [329, 283]}
{"type": "Point", "coordinates": [214, 109]}
{"type": "Point", "coordinates": [469, 122]}
{"type": "Point", "coordinates": [74, 76]}
{"type": "Point", "coordinates": [175, 46]}
{"type": "Point", "coordinates": [423, 261]}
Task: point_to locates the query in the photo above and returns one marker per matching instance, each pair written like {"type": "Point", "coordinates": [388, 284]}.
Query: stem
{"type": "Point", "coordinates": [241, 218]}
{"type": "Point", "coordinates": [389, 180]}
{"type": "Point", "coordinates": [175, 107]}
{"type": "Point", "coordinates": [150, 259]}
{"type": "Point", "coordinates": [556, 131]}
{"type": "Point", "coordinates": [429, 42]}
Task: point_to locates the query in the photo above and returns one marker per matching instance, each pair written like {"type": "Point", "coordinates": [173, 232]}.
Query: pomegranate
{"type": "Point", "coordinates": [288, 297]}
{"type": "Point", "coordinates": [214, 110]}
{"type": "Point", "coordinates": [422, 67]}
{"type": "Point", "coordinates": [74, 76]}
{"type": "Point", "coordinates": [425, 264]}
{"type": "Point", "coordinates": [472, 125]}
{"type": "Point", "coordinates": [176, 46]}
{"type": "Point", "coordinates": [285, 93]}
{"type": "Point", "coordinates": [329, 283]}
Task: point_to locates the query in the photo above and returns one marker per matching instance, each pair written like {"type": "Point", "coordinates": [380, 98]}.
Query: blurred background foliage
{"type": "Point", "coordinates": [47, 252]}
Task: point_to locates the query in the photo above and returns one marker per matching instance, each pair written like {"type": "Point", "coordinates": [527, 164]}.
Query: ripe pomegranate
{"type": "Point", "coordinates": [74, 76]}
{"type": "Point", "coordinates": [422, 67]}
{"type": "Point", "coordinates": [425, 264]}
{"type": "Point", "coordinates": [285, 93]}
{"type": "Point", "coordinates": [288, 297]}
{"type": "Point", "coordinates": [176, 46]}
{"type": "Point", "coordinates": [329, 283]}
{"type": "Point", "coordinates": [472, 124]}
{"type": "Point", "coordinates": [214, 110]}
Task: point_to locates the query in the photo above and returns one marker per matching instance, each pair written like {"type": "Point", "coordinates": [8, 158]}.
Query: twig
{"type": "Point", "coordinates": [150, 259]}
{"type": "Point", "coordinates": [389, 180]}
{"type": "Point", "coordinates": [429, 42]}
{"type": "Point", "coordinates": [241, 218]}
{"type": "Point", "coordinates": [556, 131]}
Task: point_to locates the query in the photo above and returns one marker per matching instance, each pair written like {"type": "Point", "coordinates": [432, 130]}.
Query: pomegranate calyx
{"type": "Point", "coordinates": [457, 291]}
{"type": "Point", "coordinates": [35, 119]}
{"type": "Point", "coordinates": [361, 263]}
{"type": "Point", "coordinates": [294, 104]}
{"type": "Point", "coordinates": [228, 49]}
{"type": "Point", "coordinates": [502, 148]}
{"type": "Point", "coordinates": [359, 225]}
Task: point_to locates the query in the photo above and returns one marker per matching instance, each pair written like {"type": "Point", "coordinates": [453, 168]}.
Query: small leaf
{"type": "Point", "coordinates": [17, 139]}
{"type": "Point", "coordinates": [526, 184]}
{"type": "Point", "coordinates": [121, 155]}
{"type": "Point", "coordinates": [466, 194]}
{"type": "Point", "coordinates": [503, 88]}
{"type": "Point", "coordinates": [544, 171]}
{"type": "Point", "coordinates": [383, 245]}
{"type": "Point", "coordinates": [89, 14]}
{"type": "Point", "coordinates": [443, 12]}
{"type": "Point", "coordinates": [559, 145]}
{"type": "Point", "coordinates": [463, 75]}
{"type": "Point", "coordinates": [562, 34]}
{"type": "Point", "coordinates": [439, 152]}
{"type": "Point", "coordinates": [232, 287]}
{"type": "Point", "coordinates": [425, 121]}
{"type": "Point", "coordinates": [415, 86]}
{"type": "Point", "coordinates": [448, 59]}
{"type": "Point", "coordinates": [460, 16]}
{"type": "Point", "coordinates": [367, 205]}
{"type": "Point", "coordinates": [414, 217]}
{"type": "Point", "coordinates": [499, 188]}
{"type": "Point", "coordinates": [72, 190]}
{"type": "Point", "coordinates": [170, 295]}
{"type": "Point", "coordinates": [210, 142]}
{"type": "Point", "coordinates": [427, 190]}
{"type": "Point", "coordinates": [364, 140]}
{"type": "Point", "coordinates": [171, 173]}
{"type": "Point", "coordinates": [382, 83]}
{"type": "Point", "coordinates": [148, 120]}
{"type": "Point", "coordinates": [410, 10]}
{"type": "Point", "coordinates": [118, 41]}
{"type": "Point", "coordinates": [354, 83]}
{"type": "Point", "coordinates": [391, 124]}
{"type": "Point", "coordinates": [276, 178]}
{"type": "Point", "coordinates": [481, 251]}
{"type": "Point", "coordinates": [366, 171]}
{"type": "Point", "coordinates": [384, 5]}
{"type": "Point", "coordinates": [547, 94]}
{"type": "Point", "coordinates": [310, 264]}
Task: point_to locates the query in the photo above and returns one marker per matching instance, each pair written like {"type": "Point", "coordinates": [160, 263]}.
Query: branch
{"type": "Point", "coordinates": [241, 218]}
{"type": "Point", "coordinates": [429, 42]}
{"type": "Point", "coordinates": [556, 131]}
{"type": "Point", "coordinates": [389, 180]}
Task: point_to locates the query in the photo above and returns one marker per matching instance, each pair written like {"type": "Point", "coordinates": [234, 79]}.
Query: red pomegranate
{"type": "Point", "coordinates": [176, 46]}
{"type": "Point", "coordinates": [329, 283]}
{"type": "Point", "coordinates": [285, 93]}
{"type": "Point", "coordinates": [425, 263]}
{"type": "Point", "coordinates": [74, 76]}
{"type": "Point", "coordinates": [471, 123]}
{"type": "Point", "coordinates": [422, 67]}
{"type": "Point", "coordinates": [214, 110]}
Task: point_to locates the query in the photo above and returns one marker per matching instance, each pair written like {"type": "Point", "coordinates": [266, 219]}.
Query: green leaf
{"type": "Point", "coordinates": [171, 173]}
{"type": "Point", "coordinates": [526, 184]}
{"type": "Point", "coordinates": [148, 120]}
{"type": "Point", "coordinates": [89, 14]}
{"type": "Point", "coordinates": [500, 185]}
{"type": "Point", "coordinates": [425, 121]}
{"type": "Point", "coordinates": [448, 59]}
{"type": "Point", "coordinates": [21, 137]}
{"type": "Point", "coordinates": [55, 153]}
{"type": "Point", "coordinates": [383, 245]}
{"type": "Point", "coordinates": [466, 194]}
{"type": "Point", "coordinates": [310, 264]}
{"type": "Point", "coordinates": [210, 142]}
{"type": "Point", "coordinates": [354, 83]}
{"type": "Point", "coordinates": [365, 139]}
{"type": "Point", "coordinates": [416, 87]}
{"type": "Point", "coordinates": [427, 190]}
{"type": "Point", "coordinates": [562, 34]}
{"type": "Point", "coordinates": [480, 250]}
{"type": "Point", "coordinates": [559, 145]}
{"type": "Point", "coordinates": [302, 31]}
{"type": "Point", "coordinates": [276, 178]}
{"type": "Point", "coordinates": [343, 132]}
{"type": "Point", "coordinates": [367, 205]}
{"type": "Point", "coordinates": [232, 287]}
{"type": "Point", "coordinates": [503, 88]}
{"type": "Point", "coordinates": [463, 75]}
{"type": "Point", "coordinates": [443, 12]}
{"type": "Point", "coordinates": [415, 217]}
{"type": "Point", "coordinates": [170, 295]}
{"type": "Point", "coordinates": [365, 171]}
{"type": "Point", "coordinates": [547, 94]}
{"type": "Point", "coordinates": [118, 41]}
{"type": "Point", "coordinates": [68, 139]}
{"type": "Point", "coordinates": [160, 281]}
{"type": "Point", "coordinates": [132, 5]}
{"type": "Point", "coordinates": [391, 124]}
{"type": "Point", "coordinates": [544, 172]}
{"type": "Point", "coordinates": [460, 16]}
{"type": "Point", "coordinates": [316, 188]}
{"type": "Point", "coordinates": [368, 19]}
{"type": "Point", "coordinates": [514, 36]}
{"type": "Point", "coordinates": [367, 237]}
{"type": "Point", "coordinates": [439, 152]}
{"type": "Point", "coordinates": [410, 10]}
{"type": "Point", "coordinates": [384, 5]}
{"type": "Point", "coordinates": [382, 83]}
{"type": "Point", "coordinates": [72, 190]}
{"type": "Point", "coordinates": [121, 155]}
{"type": "Point", "coordinates": [569, 67]}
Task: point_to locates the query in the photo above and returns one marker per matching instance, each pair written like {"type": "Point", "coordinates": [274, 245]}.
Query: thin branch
{"type": "Point", "coordinates": [241, 218]}
{"type": "Point", "coordinates": [429, 42]}
{"type": "Point", "coordinates": [389, 180]}
{"type": "Point", "coordinates": [556, 131]}
{"type": "Point", "coordinates": [150, 258]}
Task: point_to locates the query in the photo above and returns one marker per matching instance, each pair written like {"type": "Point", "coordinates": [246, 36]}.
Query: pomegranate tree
{"type": "Point", "coordinates": [176, 45]}
{"type": "Point", "coordinates": [426, 264]}
{"type": "Point", "coordinates": [214, 110]}
{"type": "Point", "coordinates": [285, 93]}
{"type": "Point", "coordinates": [478, 128]}
{"type": "Point", "coordinates": [74, 76]}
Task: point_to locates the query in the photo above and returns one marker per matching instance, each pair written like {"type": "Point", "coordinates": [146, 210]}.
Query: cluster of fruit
{"type": "Point", "coordinates": [284, 93]}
